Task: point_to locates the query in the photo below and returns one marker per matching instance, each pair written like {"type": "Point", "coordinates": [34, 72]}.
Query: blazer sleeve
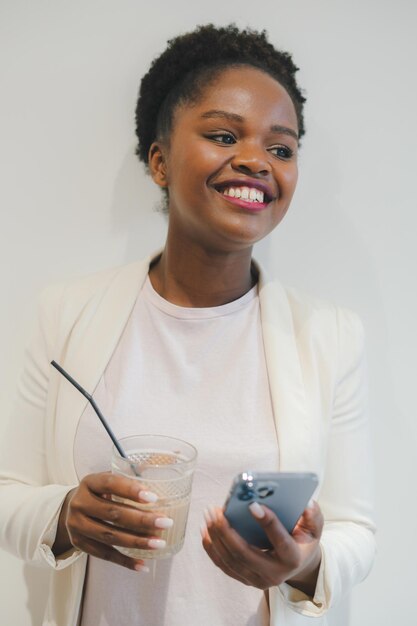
{"type": "Point", "coordinates": [29, 501]}
{"type": "Point", "coordinates": [346, 495]}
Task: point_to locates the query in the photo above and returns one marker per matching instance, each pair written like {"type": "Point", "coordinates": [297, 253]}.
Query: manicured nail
{"type": "Point", "coordinates": [163, 522]}
{"type": "Point", "coordinates": [148, 496]}
{"type": "Point", "coordinates": [213, 514]}
{"type": "Point", "coordinates": [207, 517]}
{"type": "Point", "coordinates": [142, 568]}
{"type": "Point", "coordinates": [310, 505]}
{"type": "Point", "coordinates": [157, 543]}
{"type": "Point", "coordinates": [256, 510]}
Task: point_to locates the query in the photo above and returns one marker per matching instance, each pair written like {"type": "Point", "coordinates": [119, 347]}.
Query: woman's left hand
{"type": "Point", "coordinates": [294, 558]}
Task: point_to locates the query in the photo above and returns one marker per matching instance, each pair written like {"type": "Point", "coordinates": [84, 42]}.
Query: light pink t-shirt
{"type": "Point", "coordinates": [198, 374]}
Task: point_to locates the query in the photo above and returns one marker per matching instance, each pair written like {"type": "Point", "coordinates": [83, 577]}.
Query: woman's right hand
{"type": "Point", "coordinates": [92, 522]}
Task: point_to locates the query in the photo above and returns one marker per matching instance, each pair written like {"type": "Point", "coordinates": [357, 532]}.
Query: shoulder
{"type": "Point", "coordinates": [63, 304]}
{"type": "Point", "coordinates": [313, 320]}
{"type": "Point", "coordinates": [305, 306]}
{"type": "Point", "coordinates": [325, 323]}
{"type": "Point", "coordinates": [306, 314]}
{"type": "Point", "coordinates": [81, 290]}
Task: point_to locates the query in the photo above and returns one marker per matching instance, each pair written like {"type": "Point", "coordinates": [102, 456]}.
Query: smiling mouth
{"type": "Point", "coordinates": [245, 197]}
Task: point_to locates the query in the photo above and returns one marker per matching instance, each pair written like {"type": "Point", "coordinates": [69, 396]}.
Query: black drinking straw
{"type": "Point", "coordinates": [95, 407]}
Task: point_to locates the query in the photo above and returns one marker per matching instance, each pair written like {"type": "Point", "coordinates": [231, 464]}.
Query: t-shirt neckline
{"type": "Point", "coordinates": [182, 312]}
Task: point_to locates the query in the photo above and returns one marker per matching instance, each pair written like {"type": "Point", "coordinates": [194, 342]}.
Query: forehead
{"type": "Point", "coordinates": [248, 92]}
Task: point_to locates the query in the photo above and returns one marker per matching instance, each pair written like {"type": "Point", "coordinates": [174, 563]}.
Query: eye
{"type": "Point", "coordinates": [223, 138]}
{"type": "Point", "coordinates": [282, 152]}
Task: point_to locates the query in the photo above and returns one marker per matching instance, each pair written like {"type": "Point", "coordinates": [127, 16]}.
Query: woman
{"type": "Point", "coordinates": [197, 342]}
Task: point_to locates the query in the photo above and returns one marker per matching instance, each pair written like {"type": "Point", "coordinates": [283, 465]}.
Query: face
{"type": "Point", "coordinates": [231, 163]}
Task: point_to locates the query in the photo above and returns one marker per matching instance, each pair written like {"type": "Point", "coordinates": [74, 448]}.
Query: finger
{"type": "Point", "coordinates": [120, 515]}
{"type": "Point", "coordinates": [106, 483]}
{"type": "Point", "coordinates": [217, 528]}
{"type": "Point", "coordinates": [108, 534]}
{"type": "Point", "coordinates": [228, 541]}
{"type": "Point", "coordinates": [283, 544]}
{"type": "Point", "coordinates": [216, 559]}
{"type": "Point", "coordinates": [112, 555]}
{"type": "Point", "coordinates": [236, 555]}
{"type": "Point", "coordinates": [310, 523]}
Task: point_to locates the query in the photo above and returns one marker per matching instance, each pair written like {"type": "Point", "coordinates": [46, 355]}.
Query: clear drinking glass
{"type": "Point", "coordinates": [164, 465]}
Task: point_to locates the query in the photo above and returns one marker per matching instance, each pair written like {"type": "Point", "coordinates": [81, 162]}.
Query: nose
{"type": "Point", "coordinates": [251, 160]}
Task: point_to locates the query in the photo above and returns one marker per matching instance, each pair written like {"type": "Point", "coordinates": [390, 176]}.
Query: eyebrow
{"type": "Point", "coordinates": [234, 117]}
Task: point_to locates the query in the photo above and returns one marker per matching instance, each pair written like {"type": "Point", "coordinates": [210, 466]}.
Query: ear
{"type": "Point", "coordinates": [157, 164]}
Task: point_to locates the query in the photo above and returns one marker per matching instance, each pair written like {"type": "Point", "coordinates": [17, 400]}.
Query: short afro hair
{"type": "Point", "coordinates": [179, 74]}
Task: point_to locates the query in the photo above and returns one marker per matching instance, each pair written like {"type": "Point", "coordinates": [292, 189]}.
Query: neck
{"type": "Point", "coordinates": [194, 277]}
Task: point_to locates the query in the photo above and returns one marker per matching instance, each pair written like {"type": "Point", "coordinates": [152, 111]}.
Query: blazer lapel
{"type": "Point", "coordinates": [94, 338]}
{"type": "Point", "coordinates": [292, 421]}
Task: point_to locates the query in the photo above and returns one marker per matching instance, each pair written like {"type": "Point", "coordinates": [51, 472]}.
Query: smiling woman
{"type": "Point", "coordinates": [240, 135]}
{"type": "Point", "coordinates": [202, 345]}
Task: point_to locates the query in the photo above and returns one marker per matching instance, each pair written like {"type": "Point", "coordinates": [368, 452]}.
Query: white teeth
{"type": "Point", "coordinates": [249, 194]}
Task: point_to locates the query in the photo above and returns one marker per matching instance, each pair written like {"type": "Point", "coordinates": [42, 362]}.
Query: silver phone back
{"type": "Point", "coordinates": [287, 494]}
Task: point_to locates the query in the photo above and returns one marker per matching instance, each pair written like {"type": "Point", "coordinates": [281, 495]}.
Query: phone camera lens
{"type": "Point", "coordinates": [265, 491]}
{"type": "Point", "coordinates": [246, 494]}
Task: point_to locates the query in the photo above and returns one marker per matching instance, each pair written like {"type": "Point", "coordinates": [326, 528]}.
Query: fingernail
{"type": "Point", "coordinates": [163, 522]}
{"type": "Point", "coordinates": [142, 568]}
{"type": "Point", "coordinates": [148, 496]}
{"type": "Point", "coordinates": [203, 530]}
{"type": "Point", "coordinates": [157, 543]}
{"type": "Point", "coordinates": [207, 517]}
{"type": "Point", "coordinates": [213, 514]}
{"type": "Point", "coordinates": [256, 510]}
{"type": "Point", "coordinates": [310, 505]}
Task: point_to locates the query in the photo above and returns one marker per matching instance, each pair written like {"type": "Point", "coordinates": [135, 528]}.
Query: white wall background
{"type": "Point", "coordinates": [74, 200]}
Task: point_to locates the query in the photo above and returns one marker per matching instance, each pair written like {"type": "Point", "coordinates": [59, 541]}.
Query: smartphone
{"type": "Point", "coordinates": [287, 494]}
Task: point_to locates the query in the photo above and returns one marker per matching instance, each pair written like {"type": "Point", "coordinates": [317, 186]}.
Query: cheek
{"type": "Point", "coordinates": [288, 179]}
{"type": "Point", "coordinates": [202, 160]}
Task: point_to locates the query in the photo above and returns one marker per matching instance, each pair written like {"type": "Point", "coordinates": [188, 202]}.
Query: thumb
{"type": "Point", "coordinates": [276, 532]}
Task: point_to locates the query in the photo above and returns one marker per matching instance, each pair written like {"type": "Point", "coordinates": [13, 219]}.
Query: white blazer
{"type": "Point", "coordinates": [315, 364]}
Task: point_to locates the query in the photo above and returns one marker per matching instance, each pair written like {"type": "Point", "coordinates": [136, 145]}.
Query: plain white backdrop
{"type": "Point", "coordinates": [74, 199]}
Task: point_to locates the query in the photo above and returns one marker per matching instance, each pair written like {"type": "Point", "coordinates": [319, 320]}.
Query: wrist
{"type": "Point", "coordinates": [306, 578]}
{"type": "Point", "coordinates": [62, 541]}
